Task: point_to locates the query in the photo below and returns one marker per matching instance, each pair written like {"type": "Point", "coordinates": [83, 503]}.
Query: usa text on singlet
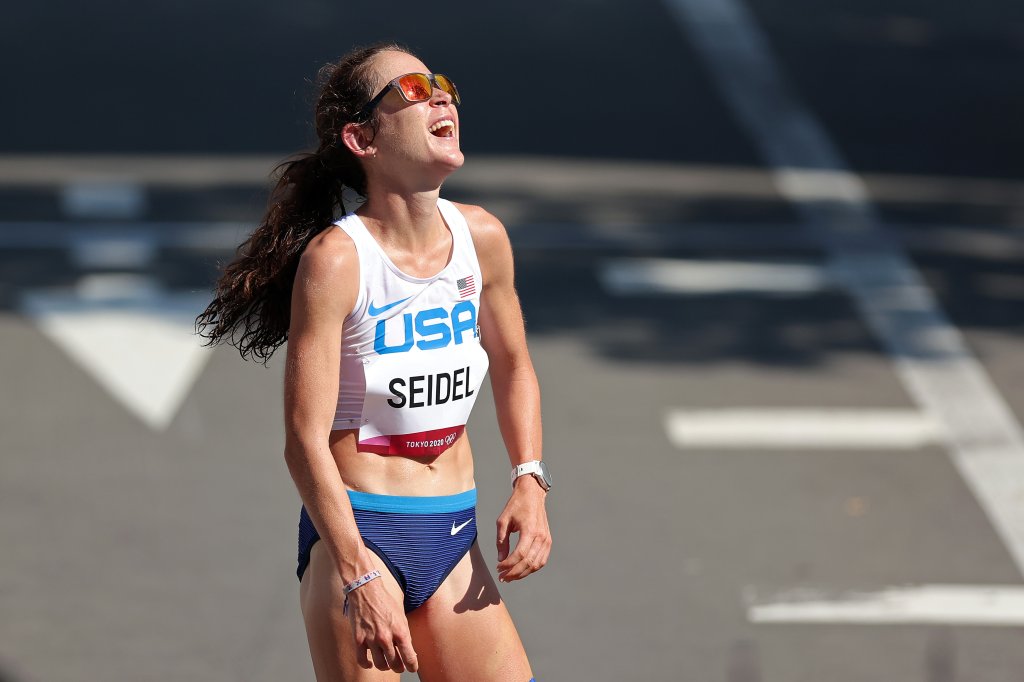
{"type": "Point", "coordinates": [411, 360]}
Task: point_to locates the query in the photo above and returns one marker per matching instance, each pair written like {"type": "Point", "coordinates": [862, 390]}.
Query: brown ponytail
{"type": "Point", "coordinates": [251, 308]}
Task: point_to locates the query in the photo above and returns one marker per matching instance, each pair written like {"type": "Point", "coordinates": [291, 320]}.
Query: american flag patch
{"type": "Point", "coordinates": [466, 286]}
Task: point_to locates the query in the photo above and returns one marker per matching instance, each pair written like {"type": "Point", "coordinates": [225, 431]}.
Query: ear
{"type": "Point", "coordinates": [358, 137]}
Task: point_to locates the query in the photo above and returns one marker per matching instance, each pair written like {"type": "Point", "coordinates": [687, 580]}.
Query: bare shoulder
{"type": "Point", "coordinates": [483, 225]}
{"type": "Point", "coordinates": [327, 278]}
{"type": "Point", "coordinates": [493, 249]}
{"type": "Point", "coordinates": [487, 231]}
{"type": "Point", "coordinates": [329, 258]}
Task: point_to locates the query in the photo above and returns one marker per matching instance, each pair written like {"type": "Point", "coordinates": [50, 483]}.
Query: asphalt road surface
{"type": "Point", "coordinates": [770, 257]}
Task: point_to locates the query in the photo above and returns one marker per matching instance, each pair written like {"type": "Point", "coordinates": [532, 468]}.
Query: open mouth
{"type": "Point", "coordinates": [442, 129]}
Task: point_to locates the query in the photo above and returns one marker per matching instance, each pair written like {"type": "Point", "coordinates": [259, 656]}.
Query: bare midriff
{"type": "Point", "coordinates": [449, 473]}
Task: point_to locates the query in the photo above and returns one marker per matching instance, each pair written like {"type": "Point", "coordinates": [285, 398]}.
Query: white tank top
{"type": "Point", "coordinates": [411, 360]}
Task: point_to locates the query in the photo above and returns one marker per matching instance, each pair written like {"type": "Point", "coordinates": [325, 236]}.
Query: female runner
{"type": "Point", "coordinates": [392, 316]}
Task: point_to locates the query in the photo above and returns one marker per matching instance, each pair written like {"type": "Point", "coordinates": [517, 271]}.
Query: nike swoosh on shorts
{"type": "Point", "coordinates": [456, 529]}
{"type": "Point", "coordinates": [388, 306]}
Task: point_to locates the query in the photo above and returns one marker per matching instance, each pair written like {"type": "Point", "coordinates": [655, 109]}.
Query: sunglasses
{"type": "Point", "coordinates": [414, 87]}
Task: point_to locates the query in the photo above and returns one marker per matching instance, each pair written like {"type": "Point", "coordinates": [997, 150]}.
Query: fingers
{"type": "Point", "coordinates": [516, 558]}
{"type": "Point", "coordinates": [380, 661]}
{"type": "Point", "coordinates": [362, 657]}
{"type": "Point", "coordinates": [395, 661]}
{"type": "Point", "coordinates": [502, 538]}
{"type": "Point", "coordinates": [388, 652]}
{"type": "Point", "coordinates": [385, 644]}
{"type": "Point", "coordinates": [407, 654]}
{"type": "Point", "coordinates": [400, 654]}
{"type": "Point", "coordinates": [398, 658]}
{"type": "Point", "coordinates": [531, 555]}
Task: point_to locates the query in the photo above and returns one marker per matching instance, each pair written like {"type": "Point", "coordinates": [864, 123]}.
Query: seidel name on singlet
{"type": "Point", "coordinates": [411, 359]}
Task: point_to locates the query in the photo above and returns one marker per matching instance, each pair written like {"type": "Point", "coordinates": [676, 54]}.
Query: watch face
{"type": "Point", "coordinates": [545, 474]}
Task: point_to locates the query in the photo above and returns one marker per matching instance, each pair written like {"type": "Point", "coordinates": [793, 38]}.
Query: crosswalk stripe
{"type": "Point", "coordinates": [759, 429]}
{"type": "Point", "coordinates": [631, 276]}
{"type": "Point", "coordinates": [987, 605]}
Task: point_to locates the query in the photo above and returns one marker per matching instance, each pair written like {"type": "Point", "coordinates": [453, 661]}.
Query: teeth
{"type": "Point", "coordinates": [441, 124]}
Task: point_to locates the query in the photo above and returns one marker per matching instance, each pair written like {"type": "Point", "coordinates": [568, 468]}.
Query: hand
{"type": "Point", "coordinates": [379, 626]}
{"type": "Point", "coordinates": [524, 514]}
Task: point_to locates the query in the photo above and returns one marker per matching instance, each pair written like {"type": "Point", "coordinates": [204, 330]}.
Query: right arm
{"type": "Point", "coordinates": [324, 292]}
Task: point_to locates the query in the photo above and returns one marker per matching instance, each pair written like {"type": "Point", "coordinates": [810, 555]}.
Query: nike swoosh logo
{"type": "Point", "coordinates": [374, 312]}
{"type": "Point", "coordinates": [456, 529]}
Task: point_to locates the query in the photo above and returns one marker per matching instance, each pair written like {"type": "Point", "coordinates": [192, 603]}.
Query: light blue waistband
{"type": "Point", "coordinates": [412, 505]}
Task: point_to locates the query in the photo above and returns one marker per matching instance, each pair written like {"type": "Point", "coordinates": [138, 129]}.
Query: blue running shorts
{"type": "Point", "coordinates": [419, 539]}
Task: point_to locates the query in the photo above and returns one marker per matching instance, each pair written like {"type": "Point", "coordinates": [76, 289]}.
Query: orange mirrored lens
{"type": "Point", "coordinates": [416, 87]}
{"type": "Point", "coordinates": [447, 86]}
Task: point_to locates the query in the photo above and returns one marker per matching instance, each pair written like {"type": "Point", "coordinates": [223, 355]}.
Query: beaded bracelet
{"type": "Point", "coordinates": [355, 585]}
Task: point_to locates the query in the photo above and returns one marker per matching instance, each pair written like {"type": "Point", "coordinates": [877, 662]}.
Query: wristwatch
{"type": "Point", "coordinates": [536, 467]}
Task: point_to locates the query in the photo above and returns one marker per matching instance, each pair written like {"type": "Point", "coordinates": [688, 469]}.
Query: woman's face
{"type": "Point", "coordinates": [404, 141]}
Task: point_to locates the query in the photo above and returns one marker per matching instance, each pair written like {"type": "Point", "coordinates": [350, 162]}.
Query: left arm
{"type": "Point", "coordinates": [516, 397]}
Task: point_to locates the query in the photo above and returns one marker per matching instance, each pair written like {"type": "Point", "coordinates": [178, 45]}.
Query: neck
{"type": "Point", "coordinates": [402, 217]}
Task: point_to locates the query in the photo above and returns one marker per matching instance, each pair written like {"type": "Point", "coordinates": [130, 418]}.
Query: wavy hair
{"type": "Point", "coordinates": [251, 308]}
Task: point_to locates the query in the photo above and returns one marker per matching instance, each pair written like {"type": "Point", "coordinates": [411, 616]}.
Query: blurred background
{"type": "Point", "coordinates": [770, 255]}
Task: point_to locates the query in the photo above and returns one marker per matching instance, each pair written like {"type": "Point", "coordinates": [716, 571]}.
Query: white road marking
{"type": "Point", "coordinates": [931, 358]}
{"type": "Point", "coordinates": [630, 276]}
{"type": "Point", "coordinates": [539, 176]}
{"type": "Point", "coordinates": [121, 200]}
{"type": "Point", "coordinates": [802, 184]}
{"type": "Point", "coordinates": [989, 605]}
{"type": "Point", "coordinates": [759, 429]}
{"type": "Point", "coordinates": [133, 339]}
